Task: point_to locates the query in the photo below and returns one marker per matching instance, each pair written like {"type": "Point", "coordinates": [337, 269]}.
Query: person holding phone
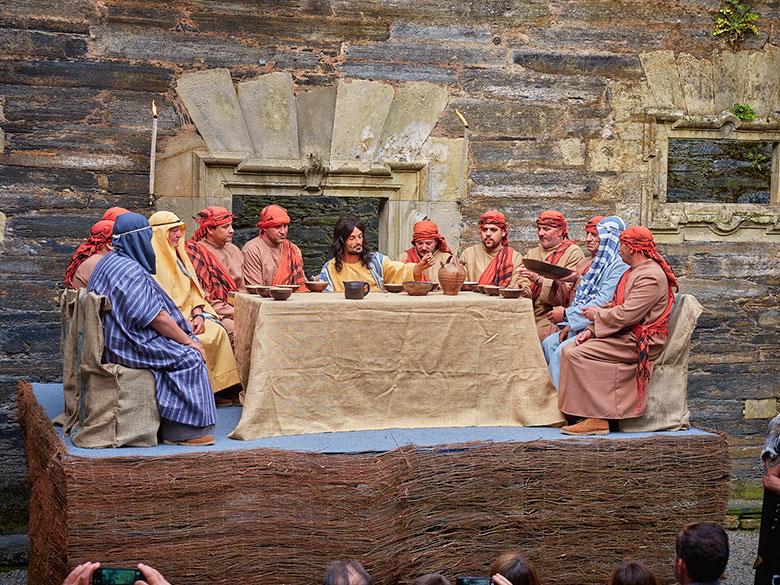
{"type": "Point", "coordinates": [86, 573]}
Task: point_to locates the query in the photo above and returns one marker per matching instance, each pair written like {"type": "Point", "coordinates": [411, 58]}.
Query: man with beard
{"type": "Point", "coordinates": [352, 260]}
{"type": "Point", "coordinates": [554, 247]}
{"type": "Point", "coordinates": [426, 239]}
{"type": "Point", "coordinates": [271, 258]}
{"type": "Point", "coordinates": [493, 261]}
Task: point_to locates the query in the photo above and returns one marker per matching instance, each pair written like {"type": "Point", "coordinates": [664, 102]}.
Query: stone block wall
{"type": "Point", "coordinates": [550, 90]}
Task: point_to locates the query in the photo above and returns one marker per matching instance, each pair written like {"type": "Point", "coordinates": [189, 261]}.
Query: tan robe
{"type": "Point", "coordinates": [561, 295]}
{"type": "Point", "coordinates": [432, 274]}
{"type": "Point", "coordinates": [542, 304]}
{"type": "Point", "coordinates": [260, 261]}
{"type": "Point", "coordinates": [86, 268]}
{"type": "Point", "coordinates": [477, 259]}
{"type": "Point", "coordinates": [598, 378]}
{"type": "Point", "coordinates": [232, 260]}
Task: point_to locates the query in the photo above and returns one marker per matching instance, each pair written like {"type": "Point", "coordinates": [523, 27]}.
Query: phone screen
{"type": "Point", "coordinates": [109, 576]}
{"type": "Point", "coordinates": [473, 581]}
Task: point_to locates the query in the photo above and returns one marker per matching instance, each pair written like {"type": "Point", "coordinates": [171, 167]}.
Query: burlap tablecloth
{"type": "Point", "coordinates": [320, 363]}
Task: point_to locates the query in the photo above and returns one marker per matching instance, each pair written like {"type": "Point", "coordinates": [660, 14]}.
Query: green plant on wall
{"type": "Point", "coordinates": [744, 112]}
{"type": "Point", "coordinates": [757, 156]}
{"type": "Point", "coordinates": [734, 19]}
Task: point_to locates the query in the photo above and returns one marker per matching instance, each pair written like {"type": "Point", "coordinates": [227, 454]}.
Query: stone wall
{"type": "Point", "coordinates": [552, 90]}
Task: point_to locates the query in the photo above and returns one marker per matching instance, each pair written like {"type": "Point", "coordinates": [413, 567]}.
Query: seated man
{"type": "Point", "coordinates": [426, 239]}
{"type": "Point", "coordinates": [605, 373]}
{"type": "Point", "coordinates": [271, 258]}
{"type": "Point", "coordinates": [145, 330]}
{"type": "Point", "coordinates": [217, 261]}
{"type": "Point", "coordinates": [88, 254]}
{"type": "Point", "coordinates": [595, 286]}
{"type": "Point", "coordinates": [701, 554]}
{"type": "Point", "coordinates": [493, 261]}
{"type": "Point", "coordinates": [352, 260]}
{"type": "Point", "coordinates": [176, 276]}
{"type": "Point", "coordinates": [554, 247]}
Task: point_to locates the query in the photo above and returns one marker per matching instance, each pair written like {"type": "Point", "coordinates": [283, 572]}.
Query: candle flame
{"type": "Point", "coordinates": [154, 109]}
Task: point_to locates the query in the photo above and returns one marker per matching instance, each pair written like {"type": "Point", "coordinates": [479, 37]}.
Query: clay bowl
{"type": "Point", "coordinates": [280, 293]}
{"type": "Point", "coordinates": [491, 289]}
{"type": "Point", "coordinates": [480, 288]}
{"type": "Point", "coordinates": [291, 287]}
{"type": "Point", "coordinates": [417, 289]}
{"type": "Point", "coordinates": [253, 289]}
{"type": "Point", "coordinates": [469, 286]}
{"type": "Point", "coordinates": [263, 289]}
{"type": "Point", "coordinates": [511, 293]}
{"type": "Point", "coordinates": [316, 285]}
{"type": "Point", "coordinates": [393, 288]}
{"type": "Point", "coordinates": [434, 285]}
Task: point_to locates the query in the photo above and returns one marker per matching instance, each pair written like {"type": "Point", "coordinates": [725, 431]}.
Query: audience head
{"type": "Point", "coordinates": [431, 579]}
{"type": "Point", "coordinates": [273, 224]}
{"type": "Point", "coordinates": [493, 229]}
{"type": "Point", "coordinates": [632, 573]}
{"type": "Point", "coordinates": [215, 224]}
{"type": "Point", "coordinates": [702, 553]}
{"type": "Point", "coordinates": [427, 239]}
{"type": "Point", "coordinates": [552, 228]}
{"type": "Point", "coordinates": [516, 568]}
{"type": "Point", "coordinates": [349, 238]}
{"type": "Point", "coordinates": [346, 573]}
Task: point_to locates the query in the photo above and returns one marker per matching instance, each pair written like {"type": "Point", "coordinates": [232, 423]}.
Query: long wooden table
{"type": "Point", "coordinates": [318, 362]}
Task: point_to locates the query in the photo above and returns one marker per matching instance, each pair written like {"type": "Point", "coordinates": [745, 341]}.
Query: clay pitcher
{"type": "Point", "coordinates": [451, 276]}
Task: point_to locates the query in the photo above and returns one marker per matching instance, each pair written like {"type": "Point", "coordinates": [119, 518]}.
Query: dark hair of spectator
{"type": "Point", "coordinates": [632, 573]}
{"type": "Point", "coordinates": [346, 573]}
{"type": "Point", "coordinates": [516, 568]}
{"type": "Point", "coordinates": [341, 231]}
{"type": "Point", "coordinates": [704, 548]}
{"type": "Point", "coordinates": [431, 579]}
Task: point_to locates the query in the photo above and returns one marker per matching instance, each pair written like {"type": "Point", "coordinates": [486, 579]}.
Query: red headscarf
{"type": "Point", "coordinates": [590, 227]}
{"type": "Point", "coordinates": [211, 217]}
{"type": "Point", "coordinates": [494, 217]}
{"type": "Point", "coordinates": [98, 240]}
{"type": "Point", "coordinates": [427, 230]}
{"type": "Point", "coordinates": [555, 219]}
{"type": "Point", "coordinates": [640, 240]}
{"type": "Point", "coordinates": [273, 216]}
{"type": "Point", "coordinates": [114, 212]}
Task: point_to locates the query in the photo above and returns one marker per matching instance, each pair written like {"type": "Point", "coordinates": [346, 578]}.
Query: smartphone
{"type": "Point", "coordinates": [109, 576]}
{"type": "Point", "coordinates": [473, 581]}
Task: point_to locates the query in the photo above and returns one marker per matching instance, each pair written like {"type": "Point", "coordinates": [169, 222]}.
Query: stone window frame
{"type": "Point", "coordinates": [702, 221]}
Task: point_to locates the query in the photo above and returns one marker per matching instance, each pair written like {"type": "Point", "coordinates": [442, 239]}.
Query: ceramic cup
{"type": "Point", "coordinates": [356, 289]}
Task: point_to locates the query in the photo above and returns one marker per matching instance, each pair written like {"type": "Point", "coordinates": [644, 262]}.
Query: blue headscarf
{"type": "Point", "coordinates": [133, 239]}
{"type": "Point", "coordinates": [609, 230]}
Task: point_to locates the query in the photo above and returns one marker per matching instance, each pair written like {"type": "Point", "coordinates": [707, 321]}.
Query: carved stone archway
{"type": "Point", "coordinates": [354, 139]}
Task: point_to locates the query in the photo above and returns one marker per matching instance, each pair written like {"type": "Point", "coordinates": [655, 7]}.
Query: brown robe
{"type": "Point", "coordinates": [598, 378]}
{"type": "Point", "coordinates": [86, 268]}
{"type": "Point", "coordinates": [561, 295]}
{"type": "Point", "coordinates": [477, 259]}
{"type": "Point", "coordinates": [543, 304]}
{"type": "Point", "coordinates": [432, 274]}
{"type": "Point", "coordinates": [233, 261]}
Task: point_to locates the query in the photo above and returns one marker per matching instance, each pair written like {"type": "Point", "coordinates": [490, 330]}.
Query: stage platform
{"type": "Point", "coordinates": [402, 501]}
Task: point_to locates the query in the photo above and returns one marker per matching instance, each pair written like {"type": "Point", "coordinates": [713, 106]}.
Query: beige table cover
{"type": "Point", "coordinates": [319, 363]}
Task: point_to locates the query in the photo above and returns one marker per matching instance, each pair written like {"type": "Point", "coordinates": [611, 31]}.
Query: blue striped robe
{"type": "Point", "coordinates": [183, 390]}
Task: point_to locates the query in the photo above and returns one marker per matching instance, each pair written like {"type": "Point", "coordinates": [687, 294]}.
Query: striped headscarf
{"type": "Point", "coordinates": [609, 230]}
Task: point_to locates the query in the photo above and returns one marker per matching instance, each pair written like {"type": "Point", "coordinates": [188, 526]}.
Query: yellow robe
{"type": "Point", "coordinates": [394, 272]}
{"type": "Point", "coordinates": [176, 276]}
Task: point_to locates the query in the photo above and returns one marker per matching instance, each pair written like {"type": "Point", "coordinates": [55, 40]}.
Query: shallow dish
{"type": "Point", "coordinates": [280, 293]}
{"type": "Point", "coordinates": [491, 289]}
{"type": "Point", "coordinates": [292, 287]}
{"type": "Point", "coordinates": [546, 269]}
{"type": "Point", "coordinates": [469, 286]}
{"type": "Point", "coordinates": [393, 288]}
{"type": "Point", "coordinates": [316, 285]}
{"type": "Point", "coordinates": [417, 289]}
{"type": "Point", "coordinates": [511, 293]}
{"type": "Point", "coordinates": [253, 289]}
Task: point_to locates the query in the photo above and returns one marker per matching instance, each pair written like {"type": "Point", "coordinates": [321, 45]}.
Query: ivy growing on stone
{"type": "Point", "coordinates": [734, 19]}
{"type": "Point", "coordinates": [744, 112]}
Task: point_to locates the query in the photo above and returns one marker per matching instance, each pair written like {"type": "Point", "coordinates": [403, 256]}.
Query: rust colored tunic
{"type": "Point", "coordinates": [233, 261]}
{"type": "Point", "coordinates": [598, 378]}
{"type": "Point", "coordinates": [86, 268]}
{"type": "Point", "coordinates": [261, 261]}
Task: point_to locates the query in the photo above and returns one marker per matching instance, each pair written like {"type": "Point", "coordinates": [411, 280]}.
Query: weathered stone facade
{"type": "Point", "coordinates": [564, 101]}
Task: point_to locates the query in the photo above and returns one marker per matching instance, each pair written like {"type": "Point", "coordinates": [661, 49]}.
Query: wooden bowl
{"type": "Point", "coordinates": [280, 293]}
{"type": "Point", "coordinates": [417, 289]}
{"type": "Point", "coordinates": [393, 288]}
{"type": "Point", "coordinates": [316, 285]}
{"type": "Point", "coordinates": [491, 289]}
{"type": "Point", "coordinates": [511, 293]}
{"type": "Point", "coordinates": [469, 286]}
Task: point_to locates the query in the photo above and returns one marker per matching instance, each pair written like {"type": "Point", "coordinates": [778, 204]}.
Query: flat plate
{"type": "Point", "coordinates": [546, 269]}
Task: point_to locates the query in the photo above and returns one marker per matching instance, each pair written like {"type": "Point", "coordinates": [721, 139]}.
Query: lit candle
{"type": "Point", "coordinates": [151, 154]}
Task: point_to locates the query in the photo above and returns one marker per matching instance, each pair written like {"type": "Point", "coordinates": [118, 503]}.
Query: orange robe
{"type": "Point", "coordinates": [233, 261]}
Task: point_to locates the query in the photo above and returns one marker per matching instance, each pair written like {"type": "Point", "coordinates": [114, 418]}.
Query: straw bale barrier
{"type": "Point", "coordinates": [575, 507]}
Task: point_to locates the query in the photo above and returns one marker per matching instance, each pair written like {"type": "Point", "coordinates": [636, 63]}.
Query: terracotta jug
{"type": "Point", "coordinates": [451, 276]}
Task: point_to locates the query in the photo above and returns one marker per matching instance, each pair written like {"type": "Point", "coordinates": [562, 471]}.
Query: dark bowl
{"type": "Point", "coordinates": [253, 289]}
{"type": "Point", "coordinates": [393, 288]}
{"type": "Point", "coordinates": [292, 287]}
{"type": "Point", "coordinates": [511, 293]}
{"type": "Point", "coordinates": [280, 293]}
{"type": "Point", "coordinates": [491, 289]}
{"type": "Point", "coordinates": [416, 288]}
{"type": "Point", "coordinates": [469, 286]}
{"type": "Point", "coordinates": [316, 285]}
